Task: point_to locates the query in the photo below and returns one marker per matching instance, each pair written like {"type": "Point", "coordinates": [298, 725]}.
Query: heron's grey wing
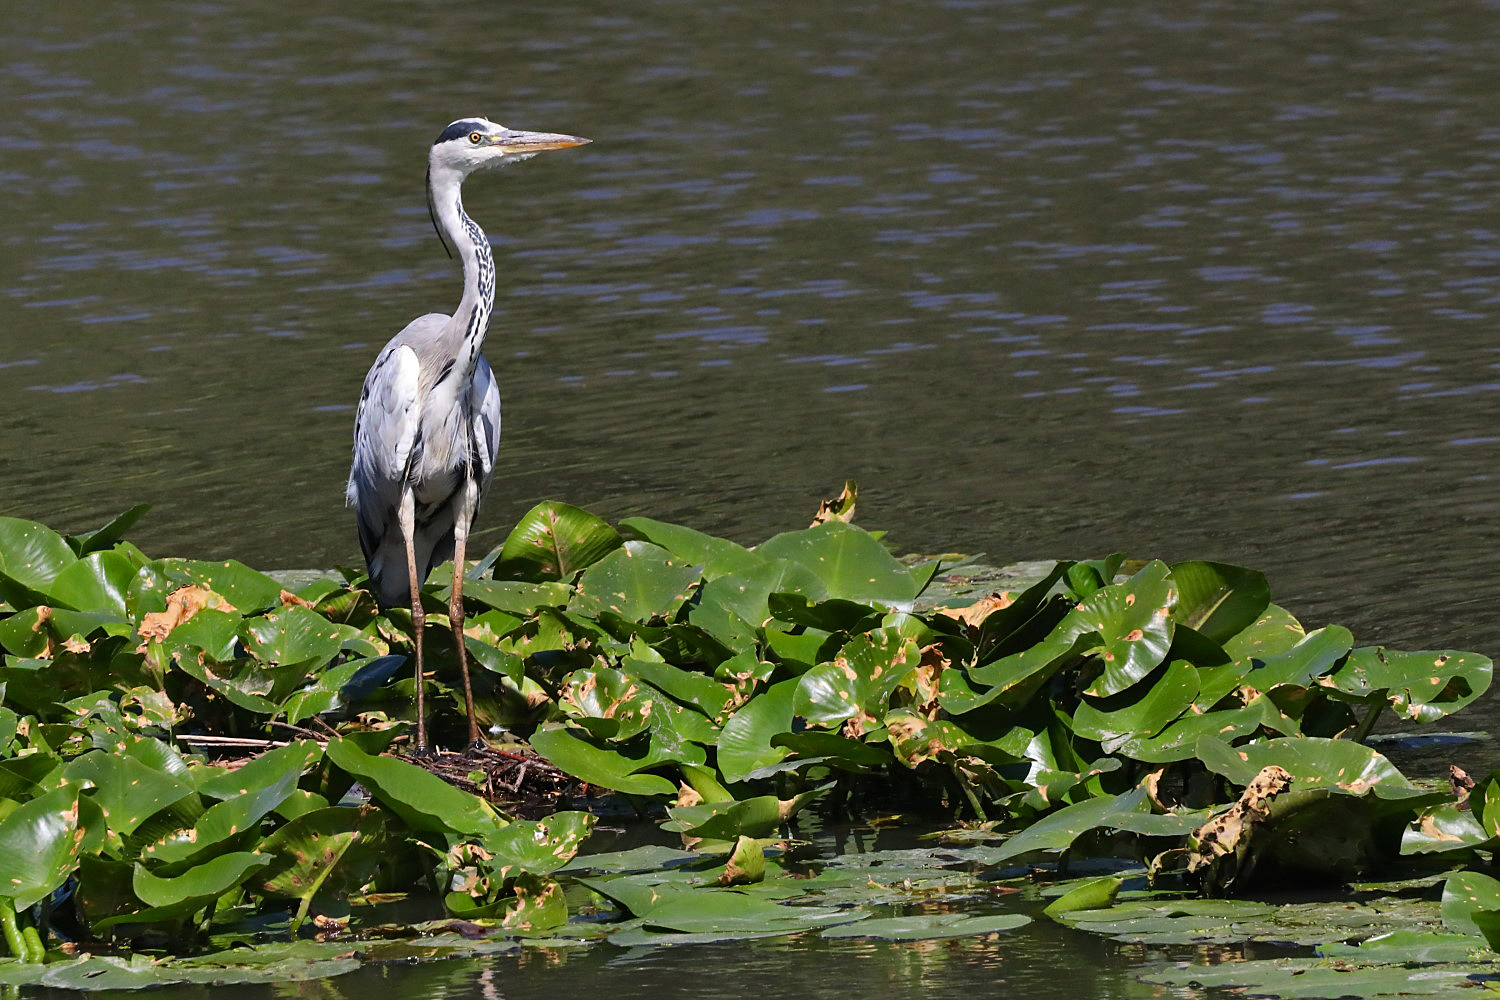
{"type": "Point", "coordinates": [483, 444]}
{"type": "Point", "coordinates": [385, 430]}
{"type": "Point", "coordinates": [484, 399]}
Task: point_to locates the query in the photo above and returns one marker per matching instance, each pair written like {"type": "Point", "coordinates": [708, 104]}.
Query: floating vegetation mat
{"type": "Point", "coordinates": [202, 771]}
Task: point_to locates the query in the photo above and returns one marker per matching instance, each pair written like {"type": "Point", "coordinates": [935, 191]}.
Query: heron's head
{"type": "Point", "coordinates": [470, 144]}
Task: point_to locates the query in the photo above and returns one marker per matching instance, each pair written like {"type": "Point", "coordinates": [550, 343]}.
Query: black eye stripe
{"type": "Point", "coordinates": [460, 130]}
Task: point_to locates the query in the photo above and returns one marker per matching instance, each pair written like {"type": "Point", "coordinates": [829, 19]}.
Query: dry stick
{"type": "Point", "coordinates": [308, 733]}
{"type": "Point", "coordinates": [233, 741]}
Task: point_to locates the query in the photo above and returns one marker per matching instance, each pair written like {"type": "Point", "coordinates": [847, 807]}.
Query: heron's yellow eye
{"type": "Point", "coordinates": [474, 137]}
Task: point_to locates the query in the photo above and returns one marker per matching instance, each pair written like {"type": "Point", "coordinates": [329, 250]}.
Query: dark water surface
{"type": "Point", "coordinates": [1203, 279]}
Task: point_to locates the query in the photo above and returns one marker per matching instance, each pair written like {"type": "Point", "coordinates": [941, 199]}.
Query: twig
{"type": "Point", "coordinates": [317, 737]}
{"type": "Point", "coordinates": [232, 741]}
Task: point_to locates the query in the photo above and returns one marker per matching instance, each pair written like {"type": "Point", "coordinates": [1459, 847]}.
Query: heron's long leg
{"type": "Point", "coordinates": [461, 519]}
{"type": "Point", "coordinates": [406, 517]}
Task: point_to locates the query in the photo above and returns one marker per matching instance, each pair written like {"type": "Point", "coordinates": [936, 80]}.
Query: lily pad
{"type": "Point", "coordinates": [39, 845]}
{"type": "Point", "coordinates": [552, 541]}
{"type": "Point", "coordinates": [745, 741]}
{"type": "Point", "coordinates": [637, 581]}
{"type": "Point", "coordinates": [851, 564]}
{"type": "Point", "coordinates": [597, 766]}
{"type": "Point", "coordinates": [421, 799]}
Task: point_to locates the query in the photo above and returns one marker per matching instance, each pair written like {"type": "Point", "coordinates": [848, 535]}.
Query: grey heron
{"type": "Point", "coordinates": [428, 426]}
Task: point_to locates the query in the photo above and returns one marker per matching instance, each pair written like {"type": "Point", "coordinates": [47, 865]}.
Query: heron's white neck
{"type": "Point", "coordinates": [468, 240]}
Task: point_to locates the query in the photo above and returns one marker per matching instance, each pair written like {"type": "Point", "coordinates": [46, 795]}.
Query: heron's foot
{"type": "Point", "coordinates": [422, 752]}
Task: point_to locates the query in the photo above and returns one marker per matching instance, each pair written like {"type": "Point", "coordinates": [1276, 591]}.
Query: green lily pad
{"type": "Point", "coordinates": [717, 910]}
{"type": "Point", "coordinates": [127, 790]}
{"type": "Point", "coordinates": [110, 533]}
{"type": "Point", "coordinates": [757, 817]}
{"type": "Point", "coordinates": [214, 632]}
{"type": "Point", "coordinates": [518, 597]}
{"type": "Point", "coordinates": [31, 557]}
{"type": "Point", "coordinates": [270, 963]}
{"type": "Point", "coordinates": [717, 556]}
{"type": "Point", "coordinates": [637, 581]}
{"type": "Point", "coordinates": [734, 607]}
{"type": "Point", "coordinates": [321, 851]}
{"type": "Point", "coordinates": [745, 745]}
{"type": "Point", "coordinates": [1423, 685]}
{"type": "Point", "coordinates": [652, 857]}
{"type": "Point", "coordinates": [246, 589]}
{"type": "Point", "coordinates": [1057, 831]}
{"type": "Point", "coordinates": [1408, 947]}
{"type": "Point", "coordinates": [1095, 894]}
{"type": "Point", "coordinates": [639, 936]}
{"type": "Point", "coordinates": [597, 766]}
{"type": "Point", "coordinates": [40, 841]}
{"type": "Point", "coordinates": [1467, 895]}
{"type": "Point", "coordinates": [1128, 717]}
{"type": "Point", "coordinates": [1338, 765]}
{"type": "Point", "coordinates": [294, 636]}
{"type": "Point", "coordinates": [422, 800]}
{"type": "Point", "coordinates": [698, 690]}
{"type": "Point", "coordinates": [233, 819]}
{"type": "Point", "coordinates": [859, 681]}
{"type": "Point", "coordinates": [1134, 625]}
{"type": "Point", "coordinates": [552, 541]}
{"type": "Point", "coordinates": [1294, 979]}
{"type": "Point", "coordinates": [1217, 599]}
{"type": "Point", "coordinates": [183, 894]}
{"type": "Point", "coordinates": [538, 847]}
{"type": "Point", "coordinates": [851, 564]}
{"type": "Point", "coordinates": [1313, 656]}
{"type": "Point", "coordinates": [96, 582]}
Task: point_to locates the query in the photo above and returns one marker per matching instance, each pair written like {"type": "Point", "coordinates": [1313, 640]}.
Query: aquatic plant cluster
{"type": "Point", "coordinates": [1168, 713]}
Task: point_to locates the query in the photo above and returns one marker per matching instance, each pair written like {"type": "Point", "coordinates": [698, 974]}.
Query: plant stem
{"type": "Point", "coordinates": [13, 939]}
{"type": "Point", "coordinates": [1368, 722]}
{"type": "Point", "coordinates": [301, 913]}
{"type": "Point", "coordinates": [35, 950]}
{"type": "Point", "coordinates": [969, 794]}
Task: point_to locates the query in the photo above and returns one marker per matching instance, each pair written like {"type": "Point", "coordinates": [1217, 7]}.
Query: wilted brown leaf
{"type": "Point", "coordinates": [1462, 785]}
{"type": "Point", "coordinates": [975, 614]}
{"type": "Point", "coordinates": [1152, 784]}
{"type": "Point", "coordinates": [927, 679]}
{"type": "Point", "coordinates": [687, 795]}
{"type": "Point", "coordinates": [840, 508]}
{"type": "Point", "coordinates": [858, 724]}
{"type": "Point", "coordinates": [1228, 832]}
{"type": "Point", "coordinates": [287, 597]}
{"type": "Point", "coordinates": [182, 604]}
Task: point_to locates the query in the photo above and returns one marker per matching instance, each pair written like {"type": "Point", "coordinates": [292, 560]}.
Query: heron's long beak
{"type": "Point", "coordinates": [536, 142]}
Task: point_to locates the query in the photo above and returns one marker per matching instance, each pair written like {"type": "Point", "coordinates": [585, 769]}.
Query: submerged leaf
{"type": "Point", "coordinates": [929, 927]}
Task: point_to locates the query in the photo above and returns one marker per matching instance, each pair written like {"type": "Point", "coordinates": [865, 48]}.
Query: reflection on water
{"type": "Point", "coordinates": [1212, 281]}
